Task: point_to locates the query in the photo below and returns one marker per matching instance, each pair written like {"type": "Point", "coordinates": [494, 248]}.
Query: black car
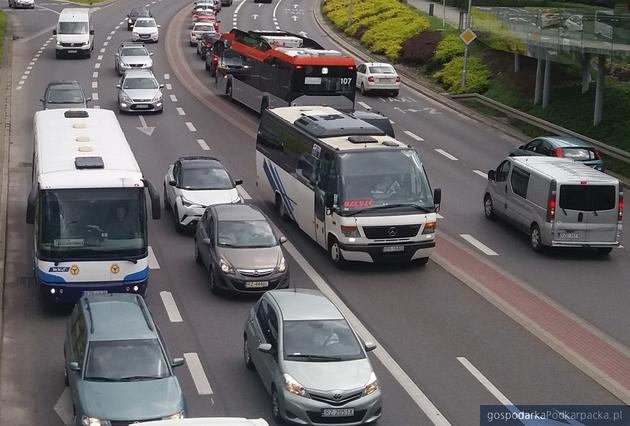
{"type": "Point", "coordinates": [64, 94]}
{"type": "Point", "coordinates": [137, 12]}
{"type": "Point", "coordinates": [239, 249]}
{"type": "Point", "coordinates": [226, 62]}
{"type": "Point", "coordinates": [205, 43]}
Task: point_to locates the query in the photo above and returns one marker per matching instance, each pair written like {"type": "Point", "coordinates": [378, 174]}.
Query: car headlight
{"type": "Point", "coordinates": [93, 421]}
{"type": "Point", "coordinates": [225, 266]}
{"type": "Point", "coordinates": [135, 34]}
{"type": "Point", "coordinates": [282, 265]}
{"type": "Point", "coordinates": [185, 202]}
{"type": "Point", "coordinates": [350, 231]}
{"type": "Point", "coordinates": [157, 98]}
{"type": "Point", "coordinates": [176, 416]}
{"type": "Point", "coordinates": [123, 64]}
{"type": "Point", "coordinates": [130, 21]}
{"type": "Point", "coordinates": [372, 385]}
{"type": "Point", "coordinates": [293, 386]}
{"type": "Point", "coordinates": [125, 97]}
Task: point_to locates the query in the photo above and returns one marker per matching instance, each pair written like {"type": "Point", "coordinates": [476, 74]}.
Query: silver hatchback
{"type": "Point", "coordinates": [310, 360]}
{"type": "Point", "coordinates": [138, 91]}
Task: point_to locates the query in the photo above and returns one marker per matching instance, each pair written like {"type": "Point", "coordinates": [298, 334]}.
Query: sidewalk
{"type": "Point", "coordinates": [452, 13]}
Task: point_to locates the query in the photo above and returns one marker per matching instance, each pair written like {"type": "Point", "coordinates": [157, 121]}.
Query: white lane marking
{"type": "Point", "coordinates": [198, 375]}
{"type": "Point", "coordinates": [277, 27]}
{"type": "Point", "coordinates": [95, 96]}
{"type": "Point", "coordinates": [32, 62]}
{"type": "Point", "coordinates": [19, 87]}
{"type": "Point", "coordinates": [27, 72]}
{"type": "Point", "coordinates": [170, 306]}
{"type": "Point", "coordinates": [480, 173]}
{"type": "Point", "coordinates": [95, 74]}
{"type": "Point", "coordinates": [167, 76]}
{"type": "Point", "coordinates": [190, 126]}
{"type": "Point", "coordinates": [243, 193]}
{"type": "Point", "coordinates": [203, 144]}
{"type": "Point", "coordinates": [275, 9]}
{"type": "Point", "coordinates": [173, 98]}
{"type": "Point", "coordinates": [105, 43]}
{"type": "Point", "coordinates": [153, 262]}
{"type": "Point", "coordinates": [95, 85]}
{"type": "Point", "coordinates": [117, 27]}
{"type": "Point", "coordinates": [97, 65]}
{"type": "Point", "coordinates": [122, 22]}
{"type": "Point", "coordinates": [37, 56]}
{"type": "Point", "coordinates": [479, 245]}
{"type": "Point", "coordinates": [413, 135]}
{"type": "Point", "coordinates": [485, 382]}
{"type": "Point", "coordinates": [102, 50]}
{"type": "Point", "coordinates": [239, 7]}
{"type": "Point", "coordinates": [416, 394]}
{"type": "Point", "coordinates": [112, 32]}
{"type": "Point", "coordinates": [180, 111]}
{"type": "Point", "coordinates": [446, 154]}
{"type": "Point", "coordinates": [168, 86]}
{"type": "Point", "coordinates": [364, 105]}
{"type": "Point", "coordinates": [439, 216]}
{"type": "Point", "coordinates": [108, 38]}
{"type": "Point", "coordinates": [99, 58]}
{"type": "Point", "coordinates": [24, 77]}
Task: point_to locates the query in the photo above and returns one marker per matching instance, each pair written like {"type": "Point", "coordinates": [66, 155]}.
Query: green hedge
{"type": "Point", "coordinates": [477, 76]}
{"type": "Point", "coordinates": [450, 47]}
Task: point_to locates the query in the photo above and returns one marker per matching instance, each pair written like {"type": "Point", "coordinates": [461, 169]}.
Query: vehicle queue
{"type": "Point", "coordinates": [348, 184]}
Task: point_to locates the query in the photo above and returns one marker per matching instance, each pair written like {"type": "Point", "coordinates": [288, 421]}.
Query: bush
{"type": "Point", "coordinates": [387, 36]}
{"type": "Point", "coordinates": [450, 47]}
{"type": "Point", "coordinates": [419, 49]}
{"type": "Point", "coordinates": [477, 76]}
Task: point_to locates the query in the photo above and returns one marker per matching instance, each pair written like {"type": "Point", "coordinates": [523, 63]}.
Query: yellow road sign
{"type": "Point", "coordinates": [468, 36]}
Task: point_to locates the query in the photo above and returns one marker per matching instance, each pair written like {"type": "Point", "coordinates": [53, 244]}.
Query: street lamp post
{"type": "Point", "coordinates": [465, 68]}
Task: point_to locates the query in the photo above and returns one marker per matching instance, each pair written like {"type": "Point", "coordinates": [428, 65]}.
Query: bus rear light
{"type": "Point", "coordinates": [298, 67]}
{"type": "Point", "coordinates": [193, 34]}
{"type": "Point", "coordinates": [371, 79]}
{"type": "Point", "coordinates": [350, 67]}
{"type": "Point", "coordinates": [558, 152]}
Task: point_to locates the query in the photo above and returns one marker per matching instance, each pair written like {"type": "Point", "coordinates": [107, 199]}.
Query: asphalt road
{"type": "Point", "coordinates": [425, 319]}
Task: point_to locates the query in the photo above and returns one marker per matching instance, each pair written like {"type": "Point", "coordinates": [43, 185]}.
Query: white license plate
{"type": "Point", "coordinates": [94, 292]}
{"type": "Point", "coordinates": [337, 412]}
{"type": "Point", "coordinates": [393, 249]}
{"type": "Point", "coordinates": [72, 51]}
{"type": "Point", "coordinates": [569, 235]}
{"type": "Point", "coordinates": [257, 284]}
{"type": "Point", "coordinates": [142, 106]}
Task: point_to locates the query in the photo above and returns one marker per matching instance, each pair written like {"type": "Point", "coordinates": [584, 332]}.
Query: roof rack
{"type": "Point", "coordinates": [334, 125]}
{"type": "Point", "coordinates": [145, 313]}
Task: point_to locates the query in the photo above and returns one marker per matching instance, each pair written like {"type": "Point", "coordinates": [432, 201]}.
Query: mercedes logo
{"type": "Point", "coordinates": [392, 231]}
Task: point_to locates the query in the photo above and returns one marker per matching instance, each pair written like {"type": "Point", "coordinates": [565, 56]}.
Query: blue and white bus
{"type": "Point", "coordinates": [87, 205]}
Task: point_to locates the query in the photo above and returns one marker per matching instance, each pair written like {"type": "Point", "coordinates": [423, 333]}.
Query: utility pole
{"type": "Point", "coordinates": [466, 47]}
{"type": "Point", "coordinates": [350, 12]}
{"type": "Point", "coordinates": [444, 14]}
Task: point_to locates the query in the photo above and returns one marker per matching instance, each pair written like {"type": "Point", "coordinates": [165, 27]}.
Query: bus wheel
{"type": "Point", "coordinates": [281, 208]}
{"type": "Point", "coordinates": [335, 253]}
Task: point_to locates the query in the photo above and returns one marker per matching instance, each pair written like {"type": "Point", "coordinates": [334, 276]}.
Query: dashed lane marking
{"type": "Point", "coordinates": [95, 96]}
{"type": "Point", "coordinates": [168, 86]}
{"type": "Point", "coordinates": [446, 154]}
{"type": "Point", "coordinates": [203, 144]}
{"type": "Point", "coordinates": [153, 262]}
{"type": "Point", "coordinates": [364, 105]}
{"type": "Point", "coordinates": [167, 76]}
{"type": "Point", "coordinates": [413, 135]}
{"type": "Point", "coordinates": [480, 173]}
{"type": "Point", "coordinates": [95, 74]}
{"type": "Point", "coordinates": [190, 126]}
{"type": "Point", "coordinates": [479, 245]}
{"type": "Point", "coordinates": [171, 306]}
{"type": "Point", "coordinates": [95, 85]}
{"type": "Point", "coordinates": [198, 375]}
{"type": "Point", "coordinates": [173, 98]}
{"type": "Point", "coordinates": [180, 111]}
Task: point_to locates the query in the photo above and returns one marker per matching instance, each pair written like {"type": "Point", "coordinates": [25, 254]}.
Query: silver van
{"type": "Point", "coordinates": [557, 201]}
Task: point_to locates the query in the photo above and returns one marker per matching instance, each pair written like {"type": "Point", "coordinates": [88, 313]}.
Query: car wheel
{"type": "Point", "coordinates": [167, 206]}
{"type": "Point", "coordinates": [604, 251]}
{"type": "Point", "coordinates": [197, 254]}
{"type": "Point", "coordinates": [178, 226]}
{"type": "Point", "coordinates": [247, 357]}
{"type": "Point", "coordinates": [395, 93]}
{"type": "Point", "coordinates": [488, 207]}
{"type": "Point", "coordinates": [281, 208]}
{"type": "Point", "coordinates": [334, 250]}
{"type": "Point", "coordinates": [535, 239]}
{"type": "Point", "coordinates": [363, 91]}
{"type": "Point", "coordinates": [212, 282]}
{"type": "Point", "coordinates": [275, 407]}
{"type": "Point", "coordinates": [421, 262]}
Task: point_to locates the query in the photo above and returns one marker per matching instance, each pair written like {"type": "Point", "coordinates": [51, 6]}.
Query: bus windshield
{"type": "Point", "coordinates": [380, 178]}
{"type": "Point", "coordinates": [92, 223]}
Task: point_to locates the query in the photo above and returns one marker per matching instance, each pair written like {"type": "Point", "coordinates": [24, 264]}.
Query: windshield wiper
{"type": "Point", "coordinates": [138, 378]}
{"type": "Point", "coordinates": [316, 357]}
{"type": "Point", "coordinates": [102, 379]}
{"type": "Point", "coordinates": [391, 206]}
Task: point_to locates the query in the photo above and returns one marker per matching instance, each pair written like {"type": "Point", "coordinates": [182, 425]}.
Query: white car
{"type": "Point", "coordinates": [22, 4]}
{"type": "Point", "coordinates": [145, 29]}
{"type": "Point", "coordinates": [193, 183]}
{"type": "Point", "coordinates": [374, 76]}
{"type": "Point", "coordinates": [200, 28]}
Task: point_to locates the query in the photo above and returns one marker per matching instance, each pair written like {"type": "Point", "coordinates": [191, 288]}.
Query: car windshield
{"type": "Point", "coordinates": [140, 83]}
{"type": "Point", "coordinates": [382, 69]}
{"type": "Point", "coordinates": [208, 28]}
{"type": "Point", "coordinates": [206, 177]}
{"type": "Point", "coordinates": [145, 23]}
{"type": "Point", "coordinates": [126, 360]}
{"type": "Point", "coordinates": [73, 28]}
{"type": "Point", "coordinates": [134, 51]}
{"type": "Point", "coordinates": [380, 178]}
{"type": "Point", "coordinates": [65, 96]}
{"type": "Point", "coordinates": [246, 234]}
{"type": "Point", "coordinates": [320, 341]}
{"type": "Point", "coordinates": [140, 13]}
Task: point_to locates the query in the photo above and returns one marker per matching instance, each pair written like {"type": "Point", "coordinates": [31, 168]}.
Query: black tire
{"type": "Point", "coordinates": [208, 67]}
{"type": "Point", "coordinates": [363, 91]}
{"type": "Point", "coordinates": [275, 407]}
{"type": "Point", "coordinates": [197, 254]}
{"type": "Point", "coordinates": [178, 226]}
{"type": "Point", "coordinates": [421, 262]}
{"type": "Point", "coordinates": [212, 282]}
{"type": "Point", "coordinates": [167, 206]}
{"type": "Point", "coordinates": [247, 358]}
{"type": "Point", "coordinates": [488, 207]}
{"type": "Point", "coordinates": [281, 209]}
{"type": "Point", "coordinates": [535, 240]}
{"type": "Point", "coordinates": [57, 54]}
{"type": "Point", "coordinates": [604, 251]}
{"type": "Point", "coordinates": [334, 251]}
{"type": "Point", "coordinates": [395, 93]}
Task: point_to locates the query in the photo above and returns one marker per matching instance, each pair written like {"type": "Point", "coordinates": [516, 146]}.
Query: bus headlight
{"type": "Point", "coordinates": [350, 231]}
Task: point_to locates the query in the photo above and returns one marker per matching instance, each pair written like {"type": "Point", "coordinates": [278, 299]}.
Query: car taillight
{"type": "Point", "coordinates": [371, 79]}
{"type": "Point", "coordinates": [193, 34]}
{"type": "Point", "coordinates": [558, 152]}
{"type": "Point", "coordinates": [598, 155]}
{"type": "Point", "coordinates": [551, 202]}
{"type": "Point", "coordinates": [208, 45]}
{"type": "Point", "coordinates": [215, 58]}
{"type": "Point", "coordinates": [620, 206]}
{"type": "Point", "coordinates": [397, 79]}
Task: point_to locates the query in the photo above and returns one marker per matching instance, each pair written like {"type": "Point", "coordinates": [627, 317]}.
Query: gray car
{"type": "Point", "coordinates": [117, 365]}
{"type": "Point", "coordinates": [237, 246]}
{"type": "Point", "coordinates": [310, 360]}
{"type": "Point", "coordinates": [132, 56]}
{"type": "Point", "coordinates": [64, 94]}
{"type": "Point", "coordinates": [138, 91]}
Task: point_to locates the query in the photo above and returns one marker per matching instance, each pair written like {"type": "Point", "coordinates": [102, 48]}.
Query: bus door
{"type": "Point", "coordinates": [326, 183]}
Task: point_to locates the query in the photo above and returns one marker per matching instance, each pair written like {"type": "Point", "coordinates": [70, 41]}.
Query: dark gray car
{"type": "Point", "coordinates": [236, 244]}
{"type": "Point", "coordinates": [64, 94]}
{"type": "Point", "coordinates": [117, 365]}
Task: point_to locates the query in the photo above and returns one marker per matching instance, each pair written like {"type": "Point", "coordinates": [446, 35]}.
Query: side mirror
{"type": "Point", "coordinates": [282, 240]}
{"type": "Point", "coordinates": [88, 99]}
{"type": "Point", "coordinates": [55, 32]}
{"type": "Point", "coordinates": [172, 183]}
{"type": "Point", "coordinates": [91, 32]}
{"type": "Point", "coordinates": [265, 348]}
{"type": "Point", "coordinates": [156, 207]}
{"type": "Point", "coordinates": [177, 362]}
{"type": "Point", "coordinates": [31, 204]}
{"type": "Point", "coordinates": [492, 175]}
{"type": "Point", "coordinates": [161, 86]}
{"type": "Point", "coordinates": [437, 199]}
{"type": "Point", "coordinates": [329, 200]}
{"type": "Point", "coordinates": [369, 346]}
{"type": "Point", "coordinates": [42, 100]}
{"type": "Point", "coordinates": [159, 26]}
{"type": "Point", "coordinates": [118, 86]}
{"type": "Point", "coordinates": [238, 182]}
{"type": "Point", "coordinates": [206, 241]}
{"type": "Point", "coordinates": [117, 54]}
{"type": "Point", "coordinates": [151, 54]}
{"type": "Point", "coordinates": [74, 366]}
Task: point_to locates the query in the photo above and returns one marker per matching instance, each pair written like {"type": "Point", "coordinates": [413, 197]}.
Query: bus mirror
{"type": "Point", "coordinates": [30, 206]}
{"type": "Point", "coordinates": [156, 207]}
{"type": "Point", "coordinates": [238, 182]}
{"type": "Point", "coordinates": [437, 198]}
{"type": "Point", "coordinates": [329, 200]}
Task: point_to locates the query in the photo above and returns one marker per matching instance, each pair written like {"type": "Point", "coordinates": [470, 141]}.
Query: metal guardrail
{"type": "Point", "coordinates": [611, 151]}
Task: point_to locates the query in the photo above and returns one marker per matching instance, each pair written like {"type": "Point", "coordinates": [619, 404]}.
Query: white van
{"type": "Point", "coordinates": [208, 421]}
{"type": "Point", "coordinates": [74, 33]}
{"type": "Point", "coordinates": [557, 201]}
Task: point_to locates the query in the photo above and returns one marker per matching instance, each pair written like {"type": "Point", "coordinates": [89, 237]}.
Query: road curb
{"type": "Point", "coordinates": [409, 80]}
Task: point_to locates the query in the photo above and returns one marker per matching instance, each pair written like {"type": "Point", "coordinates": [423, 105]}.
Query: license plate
{"type": "Point", "coordinates": [337, 412]}
{"type": "Point", "coordinates": [257, 284]}
{"type": "Point", "coordinates": [94, 292]}
{"type": "Point", "coordinates": [142, 106]}
{"type": "Point", "coordinates": [72, 51]}
{"type": "Point", "coordinates": [569, 235]}
{"type": "Point", "coordinates": [393, 249]}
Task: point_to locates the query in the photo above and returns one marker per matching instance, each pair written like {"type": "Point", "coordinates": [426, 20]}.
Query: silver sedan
{"type": "Point", "coordinates": [138, 90]}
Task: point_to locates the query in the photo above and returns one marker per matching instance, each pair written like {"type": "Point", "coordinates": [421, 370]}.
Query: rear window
{"type": "Point", "coordinates": [382, 69]}
{"type": "Point", "coordinates": [587, 197]}
{"type": "Point", "coordinates": [580, 154]}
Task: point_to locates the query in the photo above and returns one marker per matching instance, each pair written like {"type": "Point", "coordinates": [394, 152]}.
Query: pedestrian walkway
{"type": "Point", "coordinates": [452, 13]}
